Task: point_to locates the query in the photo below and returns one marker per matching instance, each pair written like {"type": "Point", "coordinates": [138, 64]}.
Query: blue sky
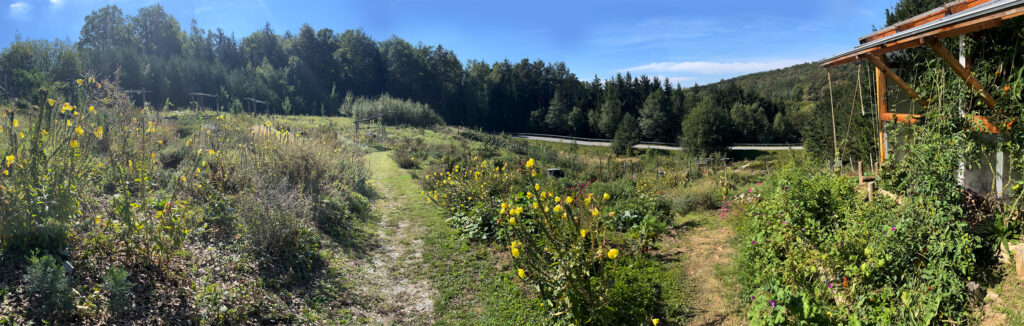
{"type": "Point", "coordinates": [687, 41]}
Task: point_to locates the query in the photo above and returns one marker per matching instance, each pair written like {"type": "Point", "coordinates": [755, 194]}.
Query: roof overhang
{"type": "Point", "coordinates": [953, 19]}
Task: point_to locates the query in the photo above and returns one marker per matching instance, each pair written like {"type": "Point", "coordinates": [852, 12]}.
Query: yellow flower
{"type": "Point", "coordinates": [79, 131]}
{"type": "Point", "coordinates": [558, 199]}
{"type": "Point", "coordinates": [568, 200]}
{"type": "Point", "coordinates": [536, 205]}
{"type": "Point", "coordinates": [68, 122]}
{"type": "Point", "coordinates": [519, 210]}
{"type": "Point", "coordinates": [522, 273]}
{"type": "Point", "coordinates": [92, 109]}
{"type": "Point", "coordinates": [595, 212]}
{"type": "Point", "coordinates": [529, 163]}
{"type": "Point", "coordinates": [21, 135]}
{"type": "Point", "coordinates": [50, 101]}
{"type": "Point", "coordinates": [79, 81]}
{"type": "Point", "coordinates": [9, 159]}
{"type": "Point", "coordinates": [198, 170]}
{"type": "Point", "coordinates": [613, 253]}
{"type": "Point", "coordinates": [606, 196]}
{"type": "Point", "coordinates": [655, 321]}
{"type": "Point", "coordinates": [211, 152]}
{"type": "Point", "coordinates": [512, 221]}
{"type": "Point", "coordinates": [183, 179]}
{"type": "Point", "coordinates": [515, 252]}
{"type": "Point", "coordinates": [99, 132]}
{"type": "Point", "coordinates": [15, 123]}
{"type": "Point", "coordinates": [536, 186]}
{"type": "Point", "coordinates": [583, 233]}
{"type": "Point", "coordinates": [558, 208]}
{"type": "Point", "coordinates": [66, 107]}
{"type": "Point", "coordinates": [74, 143]}
{"type": "Point", "coordinates": [129, 163]}
{"type": "Point", "coordinates": [533, 173]}
{"type": "Point", "coordinates": [6, 173]}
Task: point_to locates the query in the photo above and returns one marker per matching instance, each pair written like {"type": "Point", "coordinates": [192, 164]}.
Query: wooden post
{"type": "Point", "coordinates": [860, 172]}
{"type": "Point", "coordinates": [882, 109]}
{"type": "Point", "coordinates": [871, 190]}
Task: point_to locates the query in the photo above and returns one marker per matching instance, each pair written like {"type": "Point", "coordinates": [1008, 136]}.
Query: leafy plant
{"type": "Point", "coordinates": [47, 287]}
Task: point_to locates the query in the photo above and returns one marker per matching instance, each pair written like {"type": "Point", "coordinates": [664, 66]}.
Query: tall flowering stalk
{"type": "Point", "coordinates": [558, 245]}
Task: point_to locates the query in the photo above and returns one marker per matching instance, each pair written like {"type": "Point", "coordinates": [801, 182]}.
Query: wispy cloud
{"type": "Point", "coordinates": [708, 68]}
{"type": "Point", "coordinates": [657, 31]}
{"type": "Point", "coordinates": [20, 9]}
{"type": "Point", "coordinates": [203, 9]}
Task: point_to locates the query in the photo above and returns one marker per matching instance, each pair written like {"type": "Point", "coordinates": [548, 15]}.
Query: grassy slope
{"type": "Point", "coordinates": [472, 286]}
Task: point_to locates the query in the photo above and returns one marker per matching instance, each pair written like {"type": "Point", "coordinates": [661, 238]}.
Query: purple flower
{"type": "Point", "coordinates": [758, 183]}
{"type": "Point", "coordinates": [772, 302]}
{"type": "Point", "coordinates": [830, 285]}
{"type": "Point", "coordinates": [753, 242]}
{"type": "Point", "coordinates": [894, 229]}
{"type": "Point", "coordinates": [785, 222]}
{"type": "Point", "coordinates": [751, 298]}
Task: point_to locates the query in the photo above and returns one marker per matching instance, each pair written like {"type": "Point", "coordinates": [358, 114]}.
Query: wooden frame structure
{"type": "Point", "coordinates": [199, 96]}
{"type": "Point", "coordinates": [953, 19]}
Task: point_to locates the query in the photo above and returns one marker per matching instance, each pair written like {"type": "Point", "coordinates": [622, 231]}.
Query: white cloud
{"type": "Point", "coordinates": [57, 3]}
{"type": "Point", "coordinates": [708, 68]}
{"type": "Point", "coordinates": [203, 9]}
{"type": "Point", "coordinates": [20, 8]}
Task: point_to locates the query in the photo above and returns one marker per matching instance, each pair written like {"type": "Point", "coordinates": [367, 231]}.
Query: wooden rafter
{"type": "Point", "coordinates": [927, 17]}
{"type": "Point", "coordinates": [875, 60]}
{"type": "Point", "coordinates": [970, 26]}
{"type": "Point", "coordinates": [960, 70]}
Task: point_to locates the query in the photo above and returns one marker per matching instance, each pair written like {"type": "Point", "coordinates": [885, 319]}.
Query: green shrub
{"type": "Point", "coordinates": [396, 111]}
{"type": "Point", "coordinates": [277, 227]}
{"type": "Point", "coordinates": [47, 288]}
{"type": "Point", "coordinates": [118, 289]}
{"type": "Point", "coordinates": [633, 297]}
{"type": "Point", "coordinates": [814, 252]}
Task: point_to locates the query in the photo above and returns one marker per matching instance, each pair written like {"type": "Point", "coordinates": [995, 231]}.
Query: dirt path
{"type": "Point", "coordinates": [391, 277]}
{"type": "Point", "coordinates": [701, 250]}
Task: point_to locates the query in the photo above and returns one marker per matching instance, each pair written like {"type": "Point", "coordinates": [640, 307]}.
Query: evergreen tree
{"type": "Point", "coordinates": [627, 135]}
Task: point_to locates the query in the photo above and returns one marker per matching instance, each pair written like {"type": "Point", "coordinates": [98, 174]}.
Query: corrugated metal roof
{"type": "Point", "coordinates": [983, 10]}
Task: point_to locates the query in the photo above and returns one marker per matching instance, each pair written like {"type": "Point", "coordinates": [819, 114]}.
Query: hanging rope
{"type": "Point", "coordinates": [860, 90]}
{"type": "Point", "coordinates": [831, 102]}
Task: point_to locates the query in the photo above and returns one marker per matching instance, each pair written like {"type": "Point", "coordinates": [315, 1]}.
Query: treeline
{"type": "Point", "coordinates": [314, 71]}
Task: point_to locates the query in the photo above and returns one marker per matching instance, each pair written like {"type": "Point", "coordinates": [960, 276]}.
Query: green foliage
{"type": "Point", "coordinates": [118, 289]}
{"type": "Point", "coordinates": [627, 135]}
{"type": "Point", "coordinates": [396, 111]}
{"type": "Point", "coordinates": [814, 252]}
{"type": "Point", "coordinates": [47, 287]}
{"type": "Point", "coordinates": [706, 129]}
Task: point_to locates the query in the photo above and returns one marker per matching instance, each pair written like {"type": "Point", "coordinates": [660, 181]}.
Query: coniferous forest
{"type": "Point", "coordinates": [316, 72]}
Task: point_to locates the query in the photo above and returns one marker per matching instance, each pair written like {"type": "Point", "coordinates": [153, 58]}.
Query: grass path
{"type": "Point", "coordinates": [697, 254]}
{"type": "Point", "coordinates": [399, 294]}
{"type": "Point", "coordinates": [425, 273]}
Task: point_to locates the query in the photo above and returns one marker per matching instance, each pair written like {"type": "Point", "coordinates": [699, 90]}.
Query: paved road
{"type": "Point", "coordinates": [670, 148]}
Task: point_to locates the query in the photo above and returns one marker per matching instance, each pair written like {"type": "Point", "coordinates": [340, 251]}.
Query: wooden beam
{"type": "Point", "coordinates": [880, 93]}
{"type": "Point", "coordinates": [875, 60]}
{"type": "Point", "coordinates": [927, 17]}
{"type": "Point", "coordinates": [960, 70]}
{"type": "Point", "coordinates": [974, 25]}
{"type": "Point", "coordinates": [900, 117]}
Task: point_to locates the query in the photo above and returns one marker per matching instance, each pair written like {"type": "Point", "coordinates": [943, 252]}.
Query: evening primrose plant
{"type": "Point", "coordinates": [558, 245]}
{"type": "Point", "coordinates": [46, 162]}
